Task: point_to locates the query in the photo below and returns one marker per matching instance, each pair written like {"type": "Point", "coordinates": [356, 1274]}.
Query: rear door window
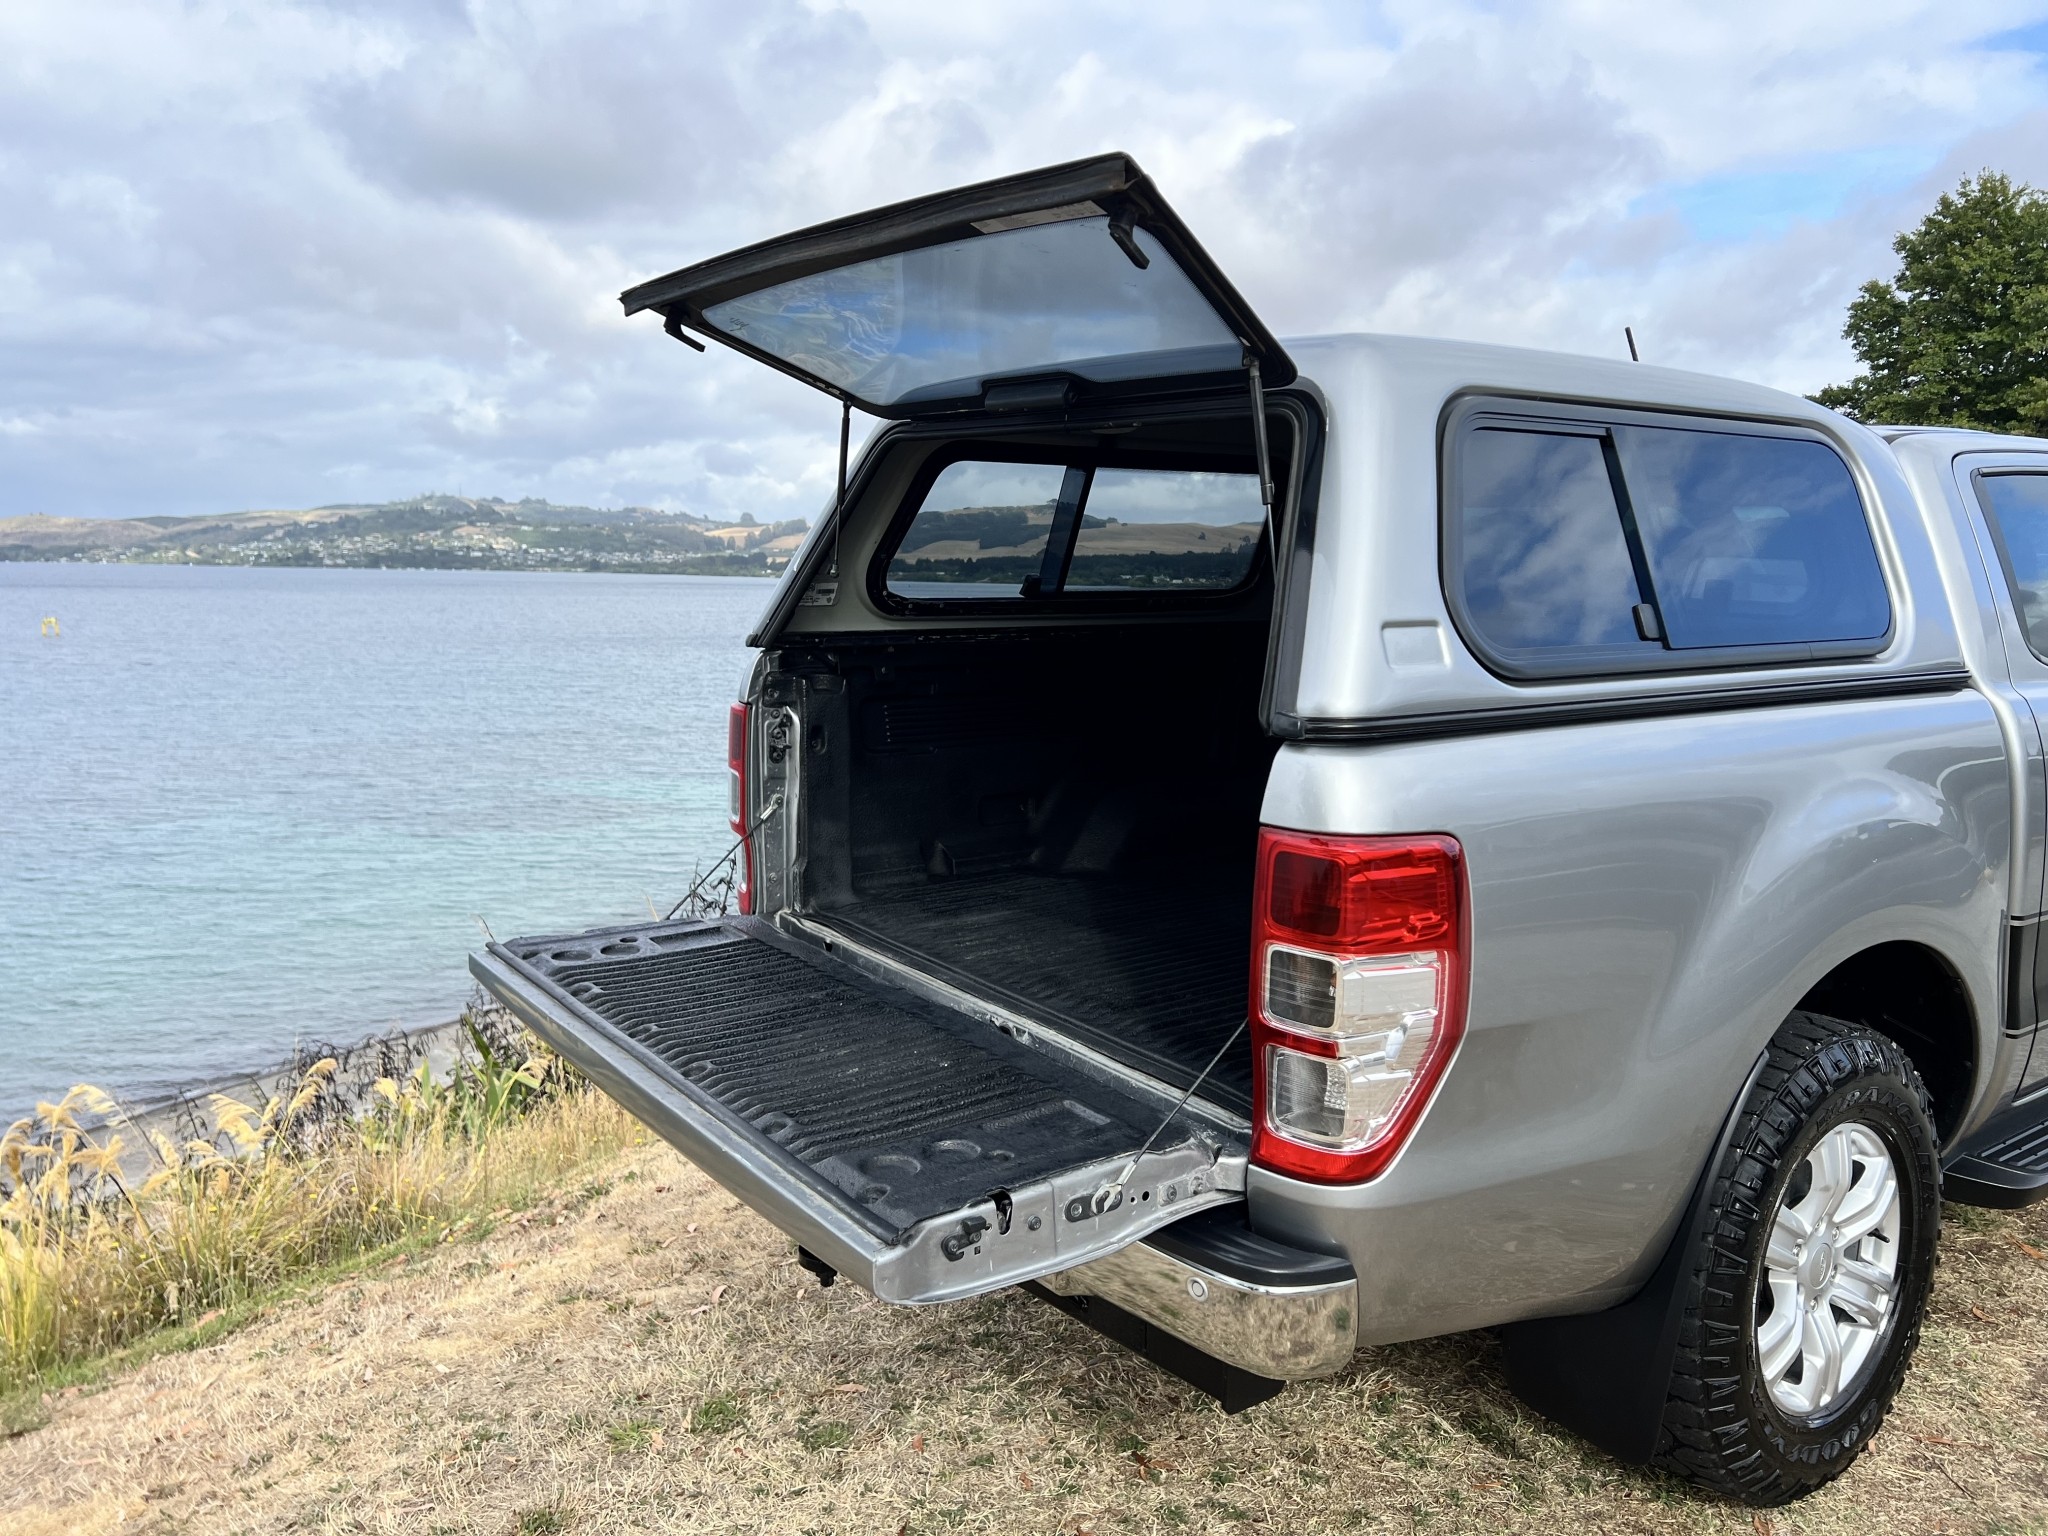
{"type": "Point", "coordinates": [2018, 508]}
{"type": "Point", "coordinates": [1587, 545]}
{"type": "Point", "coordinates": [993, 531]}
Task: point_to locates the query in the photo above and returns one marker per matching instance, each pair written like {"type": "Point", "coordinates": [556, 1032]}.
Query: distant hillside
{"type": "Point", "coordinates": [432, 532]}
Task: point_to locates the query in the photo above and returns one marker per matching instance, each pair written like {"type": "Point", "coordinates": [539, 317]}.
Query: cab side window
{"type": "Point", "coordinates": [2016, 504]}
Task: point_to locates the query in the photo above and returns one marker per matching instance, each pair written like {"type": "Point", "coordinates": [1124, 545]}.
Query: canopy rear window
{"type": "Point", "coordinates": [937, 323]}
{"type": "Point", "coordinates": [1078, 280]}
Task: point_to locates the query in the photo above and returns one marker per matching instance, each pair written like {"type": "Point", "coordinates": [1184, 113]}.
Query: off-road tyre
{"type": "Point", "coordinates": [1721, 1428]}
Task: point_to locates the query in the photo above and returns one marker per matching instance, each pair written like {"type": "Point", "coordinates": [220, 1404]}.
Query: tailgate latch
{"type": "Point", "coordinates": [956, 1243]}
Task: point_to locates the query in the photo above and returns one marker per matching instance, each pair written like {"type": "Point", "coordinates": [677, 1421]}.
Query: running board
{"type": "Point", "coordinates": [2004, 1165]}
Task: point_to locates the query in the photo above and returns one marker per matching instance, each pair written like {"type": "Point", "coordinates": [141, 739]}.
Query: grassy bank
{"type": "Point", "coordinates": [103, 1250]}
{"type": "Point", "coordinates": [638, 1353]}
{"type": "Point", "coordinates": [490, 1306]}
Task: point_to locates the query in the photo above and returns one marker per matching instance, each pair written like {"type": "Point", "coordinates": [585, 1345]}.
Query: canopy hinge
{"type": "Point", "coordinates": [674, 326]}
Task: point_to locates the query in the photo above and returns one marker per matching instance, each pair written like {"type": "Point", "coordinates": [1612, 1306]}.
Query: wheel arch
{"type": "Point", "coordinates": [1914, 995]}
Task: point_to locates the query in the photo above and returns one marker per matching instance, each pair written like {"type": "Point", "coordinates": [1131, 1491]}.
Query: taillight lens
{"type": "Point", "coordinates": [736, 735]}
{"type": "Point", "coordinates": [1358, 993]}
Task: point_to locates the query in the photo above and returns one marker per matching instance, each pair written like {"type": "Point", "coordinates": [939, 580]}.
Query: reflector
{"type": "Point", "coordinates": [736, 734]}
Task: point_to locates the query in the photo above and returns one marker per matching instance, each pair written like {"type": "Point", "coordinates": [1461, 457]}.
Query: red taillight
{"type": "Point", "coordinates": [1358, 996]}
{"type": "Point", "coordinates": [736, 735]}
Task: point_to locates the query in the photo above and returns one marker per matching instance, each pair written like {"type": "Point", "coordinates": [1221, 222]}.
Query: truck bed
{"type": "Point", "coordinates": [1148, 967]}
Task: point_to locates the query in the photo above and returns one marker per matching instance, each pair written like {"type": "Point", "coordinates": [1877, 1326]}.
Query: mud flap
{"type": "Point", "coordinates": [1607, 1375]}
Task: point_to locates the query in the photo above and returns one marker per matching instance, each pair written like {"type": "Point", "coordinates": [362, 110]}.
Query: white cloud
{"type": "Point", "coordinates": [308, 252]}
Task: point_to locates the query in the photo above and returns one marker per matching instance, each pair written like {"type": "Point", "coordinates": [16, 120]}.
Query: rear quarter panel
{"type": "Point", "coordinates": [1649, 898]}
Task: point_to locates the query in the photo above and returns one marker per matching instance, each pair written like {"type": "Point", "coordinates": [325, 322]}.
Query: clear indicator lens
{"type": "Point", "coordinates": [1351, 998]}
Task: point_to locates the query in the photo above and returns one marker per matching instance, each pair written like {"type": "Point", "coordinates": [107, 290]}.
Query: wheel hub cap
{"type": "Point", "coordinates": [1830, 1277]}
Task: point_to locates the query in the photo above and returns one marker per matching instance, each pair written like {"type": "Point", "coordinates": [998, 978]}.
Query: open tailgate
{"type": "Point", "coordinates": [927, 1154]}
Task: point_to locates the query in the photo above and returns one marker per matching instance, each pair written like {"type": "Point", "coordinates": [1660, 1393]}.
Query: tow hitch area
{"type": "Point", "coordinates": [1231, 1312]}
{"type": "Point", "coordinates": [1231, 1385]}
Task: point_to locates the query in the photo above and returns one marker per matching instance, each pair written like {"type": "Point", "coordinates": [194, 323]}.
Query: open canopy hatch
{"type": "Point", "coordinates": [1031, 290]}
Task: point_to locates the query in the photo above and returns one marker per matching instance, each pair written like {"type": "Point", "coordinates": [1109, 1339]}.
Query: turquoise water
{"type": "Point", "coordinates": [242, 809]}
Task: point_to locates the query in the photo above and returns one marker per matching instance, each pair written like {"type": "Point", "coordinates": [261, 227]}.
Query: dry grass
{"type": "Point", "coordinates": [643, 1355]}
{"type": "Point", "coordinates": [100, 1248]}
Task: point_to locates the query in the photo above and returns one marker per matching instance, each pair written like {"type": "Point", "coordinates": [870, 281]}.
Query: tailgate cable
{"type": "Point", "coordinates": [1108, 1197]}
{"type": "Point", "coordinates": [774, 804]}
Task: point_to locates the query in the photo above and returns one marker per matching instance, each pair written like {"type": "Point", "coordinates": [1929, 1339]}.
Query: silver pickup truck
{"type": "Point", "coordinates": [1281, 848]}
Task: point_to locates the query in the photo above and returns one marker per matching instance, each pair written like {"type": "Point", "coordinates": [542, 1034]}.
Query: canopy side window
{"type": "Point", "coordinates": [1586, 543]}
{"type": "Point", "coordinates": [1546, 568]}
{"type": "Point", "coordinates": [2016, 507]}
{"type": "Point", "coordinates": [1753, 540]}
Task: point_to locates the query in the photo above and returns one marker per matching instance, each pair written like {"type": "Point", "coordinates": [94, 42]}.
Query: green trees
{"type": "Point", "coordinates": [1960, 336]}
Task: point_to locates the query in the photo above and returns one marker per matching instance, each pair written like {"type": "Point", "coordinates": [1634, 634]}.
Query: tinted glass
{"type": "Point", "coordinates": [935, 323]}
{"type": "Point", "coordinates": [980, 531]}
{"type": "Point", "coordinates": [1166, 528]}
{"type": "Point", "coordinates": [1544, 563]}
{"type": "Point", "coordinates": [2018, 505]}
{"type": "Point", "coordinates": [1752, 540]}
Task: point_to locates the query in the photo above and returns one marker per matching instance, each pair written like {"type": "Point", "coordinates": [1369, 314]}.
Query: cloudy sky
{"type": "Point", "coordinates": [290, 254]}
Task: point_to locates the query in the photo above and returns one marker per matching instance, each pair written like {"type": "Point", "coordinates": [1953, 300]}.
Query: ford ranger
{"type": "Point", "coordinates": [1281, 848]}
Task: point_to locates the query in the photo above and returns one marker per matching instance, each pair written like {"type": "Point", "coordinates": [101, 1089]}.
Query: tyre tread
{"type": "Point", "coordinates": [1705, 1436]}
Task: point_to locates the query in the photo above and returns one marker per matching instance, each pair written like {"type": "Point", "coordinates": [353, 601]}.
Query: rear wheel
{"type": "Point", "coordinates": [1806, 1291]}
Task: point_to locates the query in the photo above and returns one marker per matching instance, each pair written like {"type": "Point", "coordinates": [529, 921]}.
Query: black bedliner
{"type": "Point", "coordinates": [1149, 967]}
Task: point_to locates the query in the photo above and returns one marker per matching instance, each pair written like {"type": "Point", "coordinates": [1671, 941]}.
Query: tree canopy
{"type": "Point", "coordinates": [1960, 336]}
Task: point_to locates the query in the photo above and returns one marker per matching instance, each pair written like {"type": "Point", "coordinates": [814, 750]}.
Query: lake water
{"type": "Point", "coordinates": [242, 809]}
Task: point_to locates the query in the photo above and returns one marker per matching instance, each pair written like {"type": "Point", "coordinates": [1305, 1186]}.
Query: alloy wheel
{"type": "Point", "coordinates": [1830, 1278]}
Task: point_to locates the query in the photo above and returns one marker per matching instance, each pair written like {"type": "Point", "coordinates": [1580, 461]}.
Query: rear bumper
{"type": "Point", "coordinates": [1209, 1281]}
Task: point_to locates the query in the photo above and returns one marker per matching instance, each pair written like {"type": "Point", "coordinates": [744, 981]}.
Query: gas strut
{"type": "Point", "coordinates": [1251, 363]}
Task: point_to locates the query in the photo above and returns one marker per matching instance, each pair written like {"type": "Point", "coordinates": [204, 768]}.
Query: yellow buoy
{"type": "Point", "coordinates": [50, 625]}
